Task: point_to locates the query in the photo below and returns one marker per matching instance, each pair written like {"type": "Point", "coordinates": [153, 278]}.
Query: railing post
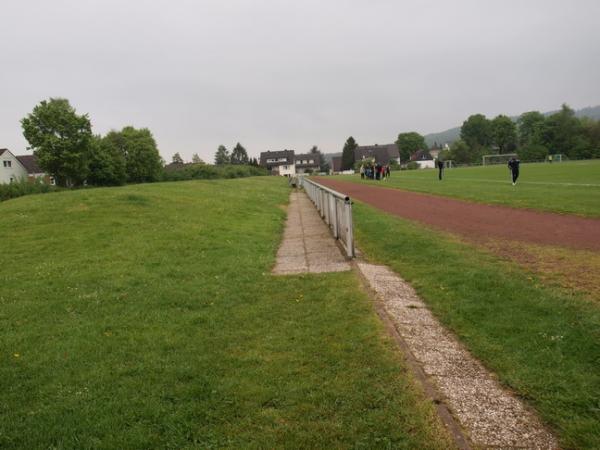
{"type": "Point", "coordinates": [350, 236]}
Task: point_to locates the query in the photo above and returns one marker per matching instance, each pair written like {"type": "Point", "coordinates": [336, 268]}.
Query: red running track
{"type": "Point", "coordinates": [475, 220]}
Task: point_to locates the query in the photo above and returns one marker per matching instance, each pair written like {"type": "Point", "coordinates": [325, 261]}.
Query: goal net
{"type": "Point", "coordinates": [448, 164]}
{"type": "Point", "coordinates": [497, 158]}
{"type": "Point", "coordinates": [554, 158]}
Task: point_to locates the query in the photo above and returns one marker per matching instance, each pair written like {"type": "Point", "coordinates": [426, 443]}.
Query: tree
{"type": "Point", "coordinates": [461, 153]}
{"type": "Point", "coordinates": [107, 164]}
{"type": "Point", "coordinates": [531, 128]}
{"type": "Point", "coordinates": [348, 153]}
{"type": "Point", "coordinates": [177, 159]}
{"type": "Point", "coordinates": [196, 159]}
{"type": "Point", "coordinates": [563, 133]}
{"type": "Point", "coordinates": [142, 159]}
{"type": "Point", "coordinates": [239, 155]}
{"type": "Point", "coordinates": [323, 164]}
{"type": "Point", "coordinates": [476, 131]}
{"type": "Point", "coordinates": [61, 140]}
{"type": "Point", "coordinates": [408, 143]}
{"type": "Point", "coordinates": [222, 155]}
{"type": "Point", "coordinates": [504, 133]}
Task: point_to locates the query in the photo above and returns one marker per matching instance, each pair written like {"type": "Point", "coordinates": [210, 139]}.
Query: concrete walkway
{"type": "Point", "coordinates": [308, 246]}
{"type": "Point", "coordinates": [490, 415]}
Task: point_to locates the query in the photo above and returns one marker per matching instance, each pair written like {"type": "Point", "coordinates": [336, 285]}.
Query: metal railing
{"type": "Point", "coordinates": [334, 208]}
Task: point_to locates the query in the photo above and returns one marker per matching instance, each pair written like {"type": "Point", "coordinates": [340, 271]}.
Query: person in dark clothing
{"type": "Point", "coordinates": [513, 165]}
{"type": "Point", "coordinates": [440, 165]}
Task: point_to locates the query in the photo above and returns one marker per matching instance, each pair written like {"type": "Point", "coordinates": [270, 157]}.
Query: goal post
{"type": "Point", "coordinates": [557, 157]}
{"type": "Point", "coordinates": [497, 158]}
{"type": "Point", "coordinates": [448, 164]}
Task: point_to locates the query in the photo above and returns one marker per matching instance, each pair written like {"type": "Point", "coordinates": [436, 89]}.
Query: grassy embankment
{"type": "Point", "coordinates": [542, 342]}
{"type": "Point", "coordinates": [146, 317]}
{"type": "Point", "coordinates": [569, 187]}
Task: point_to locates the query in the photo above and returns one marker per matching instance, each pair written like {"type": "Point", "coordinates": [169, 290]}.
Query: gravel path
{"type": "Point", "coordinates": [490, 415]}
{"type": "Point", "coordinates": [475, 220]}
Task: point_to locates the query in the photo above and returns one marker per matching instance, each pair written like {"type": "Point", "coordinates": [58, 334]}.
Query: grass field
{"type": "Point", "coordinates": [542, 342]}
{"type": "Point", "coordinates": [146, 317]}
{"type": "Point", "coordinates": [569, 187]}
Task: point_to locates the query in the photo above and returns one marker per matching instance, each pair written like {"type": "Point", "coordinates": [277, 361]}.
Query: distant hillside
{"type": "Point", "coordinates": [453, 134]}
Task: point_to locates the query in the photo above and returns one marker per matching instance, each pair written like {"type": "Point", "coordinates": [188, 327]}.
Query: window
{"type": "Point", "coordinates": [7, 163]}
{"type": "Point", "coordinates": [312, 161]}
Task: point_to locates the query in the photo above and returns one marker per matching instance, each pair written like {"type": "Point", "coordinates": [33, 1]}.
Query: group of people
{"type": "Point", "coordinates": [374, 171]}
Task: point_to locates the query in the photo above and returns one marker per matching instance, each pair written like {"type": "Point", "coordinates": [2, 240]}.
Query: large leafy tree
{"type": "Point", "coordinates": [504, 133]}
{"type": "Point", "coordinates": [564, 133]}
{"type": "Point", "coordinates": [222, 155]}
{"type": "Point", "coordinates": [107, 163]}
{"type": "Point", "coordinates": [196, 159]}
{"type": "Point", "coordinates": [531, 128]}
{"type": "Point", "coordinates": [408, 143]}
{"type": "Point", "coordinates": [239, 155]}
{"type": "Point", "coordinates": [61, 139]}
{"type": "Point", "coordinates": [348, 153]}
{"type": "Point", "coordinates": [461, 153]}
{"type": "Point", "coordinates": [142, 159]}
{"type": "Point", "coordinates": [476, 131]}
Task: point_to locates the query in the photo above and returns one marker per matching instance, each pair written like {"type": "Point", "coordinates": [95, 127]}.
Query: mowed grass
{"type": "Point", "coordinates": [568, 187]}
{"type": "Point", "coordinates": [146, 317]}
{"type": "Point", "coordinates": [543, 343]}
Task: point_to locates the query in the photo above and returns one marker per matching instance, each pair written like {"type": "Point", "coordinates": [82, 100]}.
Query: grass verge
{"type": "Point", "coordinates": [146, 317]}
{"type": "Point", "coordinates": [541, 342]}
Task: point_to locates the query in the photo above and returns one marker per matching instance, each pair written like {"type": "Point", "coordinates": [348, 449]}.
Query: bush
{"type": "Point", "coordinates": [24, 187]}
{"type": "Point", "coordinates": [412, 165]}
{"type": "Point", "coordinates": [208, 172]}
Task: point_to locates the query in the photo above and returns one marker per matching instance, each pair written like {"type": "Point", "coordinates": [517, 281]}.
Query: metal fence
{"type": "Point", "coordinates": [334, 208]}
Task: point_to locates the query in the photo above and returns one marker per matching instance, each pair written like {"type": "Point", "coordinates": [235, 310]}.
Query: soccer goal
{"type": "Point", "coordinates": [449, 164]}
{"type": "Point", "coordinates": [554, 158]}
{"type": "Point", "coordinates": [497, 158]}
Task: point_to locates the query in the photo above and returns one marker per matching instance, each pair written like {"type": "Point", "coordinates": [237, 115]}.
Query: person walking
{"type": "Point", "coordinates": [362, 171]}
{"type": "Point", "coordinates": [387, 172]}
{"type": "Point", "coordinates": [440, 165]}
{"type": "Point", "coordinates": [513, 165]}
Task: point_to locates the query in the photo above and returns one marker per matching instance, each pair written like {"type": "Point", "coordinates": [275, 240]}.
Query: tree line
{"type": "Point", "coordinates": [533, 136]}
{"type": "Point", "coordinates": [66, 148]}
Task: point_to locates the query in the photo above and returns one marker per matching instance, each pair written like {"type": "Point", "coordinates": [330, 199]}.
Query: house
{"type": "Point", "coordinates": [383, 154]}
{"type": "Point", "coordinates": [307, 162]}
{"type": "Point", "coordinates": [423, 159]}
{"type": "Point", "coordinates": [279, 162]}
{"type": "Point", "coordinates": [336, 164]}
{"type": "Point", "coordinates": [24, 167]}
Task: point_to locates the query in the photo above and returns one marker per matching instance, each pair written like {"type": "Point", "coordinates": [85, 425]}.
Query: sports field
{"type": "Point", "coordinates": [146, 317]}
{"type": "Point", "coordinates": [568, 187]}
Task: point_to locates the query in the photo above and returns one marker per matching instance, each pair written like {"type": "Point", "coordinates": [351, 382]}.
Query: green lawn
{"type": "Point", "coordinates": [568, 187]}
{"type": "Point", "coordinates": [543, 343]}
{"type": "Point", "coordinates": [146, 317]}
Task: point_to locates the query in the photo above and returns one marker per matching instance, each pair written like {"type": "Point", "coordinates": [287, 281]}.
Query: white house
{"type": "Point", "coordinates": [15, 168]}
{"type": "Point", "coordinates": [11, 169]}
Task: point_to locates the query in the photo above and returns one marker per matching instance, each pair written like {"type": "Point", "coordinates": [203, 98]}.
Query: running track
{"type": "Point", "coordinates": [475, 220]}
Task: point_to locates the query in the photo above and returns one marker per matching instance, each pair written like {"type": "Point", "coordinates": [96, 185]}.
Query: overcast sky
{"type": "Point", "coordinates": [290, 74]}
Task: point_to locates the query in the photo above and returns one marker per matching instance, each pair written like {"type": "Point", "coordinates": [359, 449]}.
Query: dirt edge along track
{"type": "Point", "coordinates": [475, 220]}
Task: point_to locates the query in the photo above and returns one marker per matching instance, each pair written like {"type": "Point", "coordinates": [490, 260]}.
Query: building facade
{"type": "Point", "coordinates": [17, 168]}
